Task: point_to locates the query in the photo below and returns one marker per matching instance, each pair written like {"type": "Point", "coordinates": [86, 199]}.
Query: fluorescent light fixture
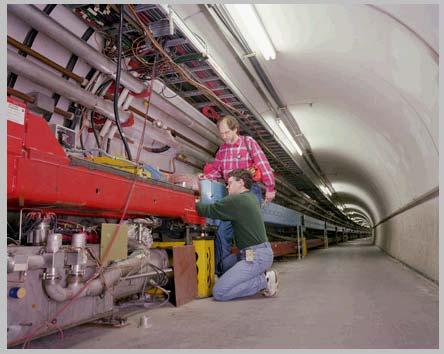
{"type": "Point", "coordinates": [325, 190]}
{"type": "Point", "coordinates": [282, 134]}
{"type": "Point", "coordinates": [289, 137]}
{"type": "Point", "coordinates": [246, 13]}
{"type": "Point", "coordinates": [182, 26]}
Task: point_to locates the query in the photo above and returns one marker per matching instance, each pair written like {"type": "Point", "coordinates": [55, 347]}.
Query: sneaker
{"type": "Point", "coordinates": [272, 283]}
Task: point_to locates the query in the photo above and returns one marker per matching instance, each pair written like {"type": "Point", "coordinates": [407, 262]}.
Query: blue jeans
{"type": "Point", "coordinates": [224, 238]}
{"type": "Point", "coordinates": [245, 278]}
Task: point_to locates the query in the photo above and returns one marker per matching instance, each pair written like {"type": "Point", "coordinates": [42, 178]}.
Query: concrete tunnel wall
{"type": "Point", "coordinates": [413, 238]}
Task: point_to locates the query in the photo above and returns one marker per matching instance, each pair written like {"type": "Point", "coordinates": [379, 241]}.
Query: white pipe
{"type": "Point", "coordinates": [122, 97]}
{"type": "Point", "coordinates": [185, 112]}
{"type": "Point", "coordinates": [20, 65]}
{"type": "Point", "coordinates": [32, 262]}
{"type": "Point", "coordinates": [127, 102]}
{"type": "Point", "coordinates": [42, 22]}
{"type": "Point", "coordinates": [199, 135]}
{"type": "Point", "coordinates": [105, 128]}
{"type": "Point", "coordinates": [112, 131]}
{"type": "Point", "coordinates": [188, 150]}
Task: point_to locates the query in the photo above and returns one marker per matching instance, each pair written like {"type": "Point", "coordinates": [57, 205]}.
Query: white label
{"type": "Point", "coordinates": [16, 113]}
{"type": "Point", "coordinates": [249, 255]}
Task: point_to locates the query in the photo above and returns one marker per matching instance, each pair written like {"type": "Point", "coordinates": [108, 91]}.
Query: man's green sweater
{"type": "Point", "coordinates": [245, 215]}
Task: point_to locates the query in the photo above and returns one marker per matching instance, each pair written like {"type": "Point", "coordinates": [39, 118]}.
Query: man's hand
{"type": "Point", "coordinates": [200, 176]}
{"type": "Point", "coordinates": [269, 196]}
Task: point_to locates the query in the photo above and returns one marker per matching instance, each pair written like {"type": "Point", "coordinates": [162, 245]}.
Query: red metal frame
{"type": "Point", "coordinates": [40, 175]}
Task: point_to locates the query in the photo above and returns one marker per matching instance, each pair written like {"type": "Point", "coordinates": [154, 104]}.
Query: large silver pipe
{"type": "Point", "coordinates": [34, 72]}
{"type": "Point", "coordinates": [197, 133]}
{"type": "Point", "coordinates": [189, 150]}
{"type": "Point", "coordinates": [180, 109]}
{"type": "Point", "coordinates": [136, 276]}
{"type": "Point", "coordinates": [33, 262]}
{"type": "Point", "coordinates": [42, 22]}
{"type": "Point", "coordinates": [110, 277]}
{"type": "Point", "coordinates": [177, 114]}
{"type": "Point", "coordinates": [20, 65]}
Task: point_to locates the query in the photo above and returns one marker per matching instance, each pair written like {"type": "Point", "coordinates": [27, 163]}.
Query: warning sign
{"type": "Point", "coordinates": [16, 113]}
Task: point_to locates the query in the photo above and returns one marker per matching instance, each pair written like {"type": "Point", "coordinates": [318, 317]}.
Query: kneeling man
{"type": "Point", "coordinates": [247, 273]}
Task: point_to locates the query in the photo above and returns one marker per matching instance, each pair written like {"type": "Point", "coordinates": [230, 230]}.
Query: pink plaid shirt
{"type": "Point", "coordinates": [233, 156]}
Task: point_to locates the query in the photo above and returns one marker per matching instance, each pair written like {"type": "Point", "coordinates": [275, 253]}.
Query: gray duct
{"type": "Point", "coordinates": [42, 22]}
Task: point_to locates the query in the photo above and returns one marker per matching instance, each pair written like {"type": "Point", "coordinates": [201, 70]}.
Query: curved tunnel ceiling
{"type": "Point", "coordinates": [362, 84]}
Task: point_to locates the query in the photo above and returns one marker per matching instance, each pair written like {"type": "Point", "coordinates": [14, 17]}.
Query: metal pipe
{"type": "Point", "coordinates": [181, 145]}
{"type": "Point", "coordinates": [187, 149]}
{"type": "Point", "coordinates": [433, 193]}
{"type": "Point", "coordinates": [280, 195]}
{"type": "Point", "coordinates": [30, 99]}
{"type": "Point", "coordinates": [32, 262]}
{"type": "Point", "coordinates": [109, 278]}
{"type": "Point", "coordinates": [196, 133]}
{"type": "Point", "coordinates": [37, 19]}
{"type": "Point", "coordinates": [167, 270]}
{"type": "Point", "coordinates": [45, 60]}
{"type": "Point", "coordinates": [198, 136]}
{"type": "Point", "coordinates": [41, 76]}
{"type": "Point", "coordinates": [71, 91]}
{"type": "Point", "coordinates": [183, 159]}
{"type": "Point", "coordinates": [298, 193]}
{"type": "Point", "coordinates": [186, 115]}
{"type": "Point", "coordinates": [36, 262]}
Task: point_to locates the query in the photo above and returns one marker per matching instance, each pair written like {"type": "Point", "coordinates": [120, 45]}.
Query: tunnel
{"type": "Point", "coordinates": [342, 101]}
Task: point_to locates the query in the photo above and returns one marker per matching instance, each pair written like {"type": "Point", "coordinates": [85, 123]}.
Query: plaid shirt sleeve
{"type": "Point", "coordinates": [216, 173]}
{"type": "Point", "coordinates": [260, 161]}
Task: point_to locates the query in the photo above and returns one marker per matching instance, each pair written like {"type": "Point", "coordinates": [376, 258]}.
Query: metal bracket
{"type": "Point", "coordinates": [248, 55]}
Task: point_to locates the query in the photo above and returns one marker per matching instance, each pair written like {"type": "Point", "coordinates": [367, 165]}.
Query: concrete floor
{"type": "Point", "coordinates": [347, 296]}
